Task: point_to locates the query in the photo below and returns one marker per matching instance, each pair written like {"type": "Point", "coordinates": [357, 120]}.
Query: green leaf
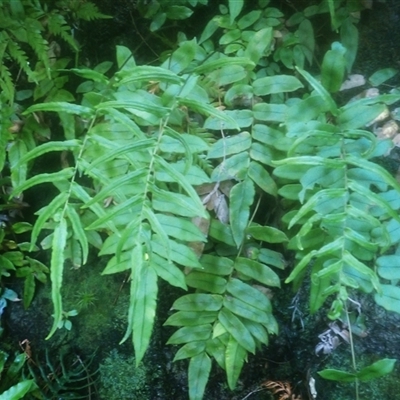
{"type": "Point", "coordinates": [190, 350]}
{"type": "Point", "coordinates": [116, 265]}
{"type": "Point", "coordinates": [157, 228]}
{"type": "Point", "coordinates": [209, 30]}
{"type": "Point", "coordinates": [357, 115]}
{"type": "Point", "coordinates": [326, 97]}
{"type": "Point", "coordinates": [233, 167]}
{"type": "Point", "coordinates": [208, 282]}
{"type": "Point", "coordinates": [260, 176]}
{"type": "Point", "coordinates": [125, 59]}
{"type": "Point", "coordinates": [259, 43]}
{"type": "Point", "coordinates": [168, 271]}
{"type": "Point", "coordinates": [62, 107]}
{"type": "Point", "coordinates": [381, 76]}
{"type": "Point", "coordinates": [249, 19]}
{"type": "Point", "coordinates": [79, 232]}
{"type": "Point", "coordinates": [241, 198]}
{"type": "Point", "coordinates": [231, 145]}
{"type": "Point", "coordinates": [181, 58]}
{"type": "Point", "coordinates": [389, 297]}
{"type": "Point", "coordinates": [270, 112]}
{"type": "Point", "coordinates": [326, 250]}
{"type": "Point", "coordinates": [158, 21]}
{"type": "Point", "coordinates": [267, 234]}
{"type": "Point", "coordinates": [212, 65]}
{"type": "Point", "coordinates": [194, 175]}
{"type": "Point", "coordinates": [306, 37]}
{"type": "Point", "coordinates": [349, 259]}
{"type": "Point", "coordinates": [208, 110]}
{"type": "Point", "coordinates": [375, 169]}
{"type": "Point", "coordinates": [59, 176]}
{"type": "Point", "coordinates": [29, 289]}
{"type": "Point", "coordinates": [235, 355]}
{"type": "Point", "coordinates": [373, 198]}
{"type": "Point", "coordinates": [176, 203]}
{"type": "Point", "coordinates": [276, 84]}
{"type": "Point", "coordinates": [260, 272]}
{"type": "Point", "coordinates": [180, 228]}
{"type": "Point", "coordinates": [118, 151]}
{"type": "Point", "coordinates": [249, 295]}
{"type": "Point", "coordinates": [237, 329]}
{"type": "Point", "coordinates": [16, 151]}
{"type": "Point", "coordinates": [337, 375]}
{"type": "Point", "coordinates": [191, 318]}
{"type": "Point", "coordinates": [242, 118]}
{"type": "Point", "coordinates": [258, 332]}
{"type": "Point", "coordinates": [349, 38]}
{"type": "Point", "coordinates": [235, 7]}
{"type": "Point", "coordinates": [216, 265]}
{"type": "Point", "coordinates": [178, 12]}
{"type": "Point", "coordinates": [56, 272]}
{"type": "Point", "coordinates": [389, 267]}
{"type": "Point", "coordinates": [45, 214]}
{"type": "Point", "coordinates": [245, 310]}
{"type": "Point", "coordinates": [324, 201]}
{"type": "Point", "coordinates": [108, 190]}
{"type": "Point", "coordinates": [145, 302]}
{"type": "Point", "coordinates": [178, 252]}
{"type": "Point", "coordinates": [182, 181]}
{"type": "Point", "coordinates": [198, 302]}
{"type": "Point", "coordinates": [133, 106]}
{"type": "Point", "coordinates": [333, 68]}
{"type": "Point", "coordinates": [88, 73]}
{"type": "Point", "coordinates": [191, 334]}
{"type": "Point", "coordinates": [377, 369]}
{"type": "Point", "coordinates": [199, 371]}
{"type": "Point", "coordinates": [19, 390]}
{"type": "Point", "coordinates": [149, 73]}
{"type": "Point", "coordinates": [271, 257]}
{"type": "Point", "coordinates": [137, 265]}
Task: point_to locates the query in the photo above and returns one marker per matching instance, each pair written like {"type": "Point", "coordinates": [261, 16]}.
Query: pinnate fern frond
{"type": "Point", "coordinates": [58, 26]}
{"type": "Point", "coordinates": [36, 40]}
{"type": "Point", "coordinates": [20, 56]}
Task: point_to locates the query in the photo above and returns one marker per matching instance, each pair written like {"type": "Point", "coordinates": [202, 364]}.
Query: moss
{"type": "Point", "coordinates": [120, 379]}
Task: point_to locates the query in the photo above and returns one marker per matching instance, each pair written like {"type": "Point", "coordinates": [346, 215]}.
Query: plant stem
{"type": "Point", "coordinates": [353, 354]}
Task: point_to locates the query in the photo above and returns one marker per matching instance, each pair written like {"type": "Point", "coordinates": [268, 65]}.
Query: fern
{"type": "Point", "coordinates": [20, 56]}
{"type": "Point", "coordinates": [27, 25]}
{"type": "Point", "coordinates": [36, 40]}
{"type": "Point", "coordinates": [86, 11]}
{"type": "Point", "coordinates": [348, 203]}
{"type": "Point", "coordinates": [58, 26]}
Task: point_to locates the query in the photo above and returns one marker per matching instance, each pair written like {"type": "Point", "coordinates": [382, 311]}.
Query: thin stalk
{"type": "Point", "coordinates": [353, 354]}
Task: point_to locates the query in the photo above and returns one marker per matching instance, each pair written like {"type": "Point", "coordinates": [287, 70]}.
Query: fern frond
{"type": "Point", "coordinates": [88, 11]}
{"type": "Point", "coordinates": [20, 56]}
{"type": "Point", "coordinates": [6, 83]}
{"type": "Point", "coordinates": [36, 41]}
{"type": "Point", "coordinates": [4, 39]}
{"type": "Point", "coordinates": [58, 26]}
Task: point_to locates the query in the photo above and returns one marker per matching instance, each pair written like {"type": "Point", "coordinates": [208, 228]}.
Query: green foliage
{"type": "Point", "coordinates": [13, 386]}
{"type": "Point", "coordinates": [376, 370]}
{"type": "Point", "coordinates": [69, 376]}
{"type": "Point", "coordinates": [162, 10]}
{"type": "Point", "coordinates": [162, 196]}
{"type": "Point", "coordinates": [29, 26]}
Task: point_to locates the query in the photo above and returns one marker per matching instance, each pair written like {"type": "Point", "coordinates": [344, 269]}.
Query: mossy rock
{"type": "Point", "coordinates": [120, 379]}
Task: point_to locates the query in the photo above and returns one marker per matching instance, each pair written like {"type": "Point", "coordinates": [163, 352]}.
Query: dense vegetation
{"type": "Point", "coordinates": [223, 168]}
